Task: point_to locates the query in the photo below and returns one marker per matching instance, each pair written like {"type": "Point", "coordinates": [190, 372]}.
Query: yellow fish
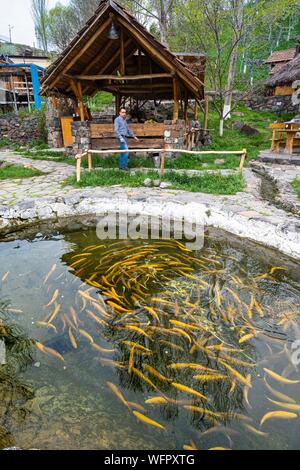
{"type": "Point", "coordinates": [288, 406]}
{"type": "Point", "coordinates": [254, 430]}
{"type": "Point", "coordinates": [46, 325]}
{"type": "Point", "coordinates": [191, 446]}
{"type": "Point", "coordinates": [277, 394]}
{"type": "Point", "coordinates": [136, 345]}
{"type": "Point", "coordinates": [143, 377]}
{"type": "Point", "coordinates": [198, 409]}
{"type": "Point", "coordinates": [86, 335]}
{"type": "Point", "coordinates": [184, 388]}
{"type": "Point", "coordinates": [246, 337]}
{"type": "Point", "coordinates": [54, 315]}
{"type": "Point", "coordinates": [278, 415]}
{"type": "Point", "coordinates": [240, 377]}
{"type": "Point", "coordinates": [188, 365]}
{"type": "Point", "coordinates": [281, 379]}
{"type": "Point", "coordinates": [117, 392]}
{"type": "Point", "coordinates": [55, 296]}
{"type": "Point", "coordinates": [72, 338]}
{"type": "Point", "coordinates": [50, 351]}
{"type": "Point", "coordinates": [137, 330]}
{"type": "Point", "coordinates": [5, 276]}
{"type": "Point", "coordinates": [155, 373]}
{"type": "Point", "coordinates": [212, 377]}
{"type": "Point", "coordinates": [103, 350]}
{"type": "Point", "coordinates": [147, 420]}
{"type": "Point", "coordinates": [156, 401]}
{"type": "Point", "coordinates": [49, 273]}
{"type": "Point", "coordinates": [118, 307]}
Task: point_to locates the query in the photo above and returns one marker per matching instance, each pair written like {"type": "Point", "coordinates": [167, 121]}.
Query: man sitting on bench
{"type": "Point", "coordinates": [123, 132]}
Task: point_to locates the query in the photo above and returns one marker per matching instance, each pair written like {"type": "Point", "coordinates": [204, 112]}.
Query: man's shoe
{"type": "Point", "coordinates": [124, 169]}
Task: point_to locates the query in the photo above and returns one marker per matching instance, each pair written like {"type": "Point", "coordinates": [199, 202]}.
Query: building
{"type": "Point", "coordinates": [19, 84]}
{"type": "Point", "coordinates": [116, 54]}
{"type": "Point", "coordinates": [280, 58]}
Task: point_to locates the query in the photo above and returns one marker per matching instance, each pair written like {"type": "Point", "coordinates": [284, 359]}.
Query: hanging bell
{"type": "Point", "coordinates": [113, 33]}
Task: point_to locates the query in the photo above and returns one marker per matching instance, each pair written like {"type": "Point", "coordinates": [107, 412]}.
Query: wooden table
{"type": "Point", "coordinates": [290, 130]}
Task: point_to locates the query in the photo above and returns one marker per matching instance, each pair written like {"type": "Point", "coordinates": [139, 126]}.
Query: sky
{"type": "Point", "coordinates": [17, 13]}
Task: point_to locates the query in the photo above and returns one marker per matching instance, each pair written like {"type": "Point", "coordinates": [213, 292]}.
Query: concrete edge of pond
{"type": "Point", "coordinates": [282, 234]}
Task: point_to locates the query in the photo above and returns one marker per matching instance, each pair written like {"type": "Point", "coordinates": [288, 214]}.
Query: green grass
{"type": "Point", "coordinates": [15, 171]}
{"type": "Point", "coordinates": [235, 140]}
{"type": "Point", "coordinates": [296, 186]}
{"type": "Point", "coordinates": [205, 183]}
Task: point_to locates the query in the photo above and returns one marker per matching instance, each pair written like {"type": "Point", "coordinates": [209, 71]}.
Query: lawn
{"type": "Point", "coordinates": [232, 140]}
{"type": "Point", "coordinates": [15, 172]}
{"type": "Point", "coordinates": [212, 183]}
{"type": "Point", "coordinates": [296, 186]}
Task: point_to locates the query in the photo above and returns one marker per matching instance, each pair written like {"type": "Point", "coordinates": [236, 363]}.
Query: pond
{"type": "Point", "coordinates": [147, 345]}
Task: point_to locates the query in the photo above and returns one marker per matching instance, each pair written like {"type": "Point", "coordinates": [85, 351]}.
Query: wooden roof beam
{"type": "Point", "coordinates": [83, 50]}
{"type": "Point", "coordinates": [120, 78]}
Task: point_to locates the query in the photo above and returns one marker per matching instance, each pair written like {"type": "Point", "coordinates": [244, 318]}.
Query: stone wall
{"type": "Point", "coordinates": [275, 104]}
{"type": "Point", "coordinates": [19, 129]}
{"type": "Point", "coordinates": [81, 132]}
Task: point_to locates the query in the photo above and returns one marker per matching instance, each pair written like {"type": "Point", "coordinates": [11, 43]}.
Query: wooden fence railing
{"type": "Point", "coordinates": [89, 155]}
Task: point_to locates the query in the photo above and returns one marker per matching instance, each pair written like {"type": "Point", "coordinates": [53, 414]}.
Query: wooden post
{"type": "Point", "coordinates": [90, 161]}
{"type": "Point", "coordinates": [206, 113]}
{"type": "Point", "coordinates": [186, 102]}
{"type": "Point", "coordinates": [196, 113]}
{"type": "Point", "coordinates": [162, 163]}
{"type": "Point", "coordinates": [78, 168]}
{"type": "Point", "coordinates": [242, 161]}
{"type": "Point", "coordinates": [118, 104]}
{"type": "Point", "coordinates": [176, 99]}
{"type": "Point", "coordinates": [81, 104]}
{"type": "Point", "coordinates": [122, 58]}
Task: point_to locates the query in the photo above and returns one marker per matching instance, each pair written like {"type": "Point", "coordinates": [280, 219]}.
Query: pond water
{"type": "Point", "coordinates": [147, 345]}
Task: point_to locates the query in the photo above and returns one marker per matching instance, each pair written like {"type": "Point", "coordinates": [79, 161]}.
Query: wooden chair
{"type": "Point", "coordinates": [292, 139]}
{"type": "Point", "coordinates": [278, 132]}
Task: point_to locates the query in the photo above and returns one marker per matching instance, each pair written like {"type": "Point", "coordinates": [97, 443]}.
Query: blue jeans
{"type": "Point", "coordinates": [123, 163]}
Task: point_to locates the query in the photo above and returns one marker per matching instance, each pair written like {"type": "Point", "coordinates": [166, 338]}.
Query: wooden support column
{"type": "Point", "coordinates": [196, 114]}
{"type": "Point", "coordinates": [186, 102]}
{"type": "Point", "coordinates": [206, 113]}
{"type": "Point", "coordinates": [122, 53]}
{"type": "Point", "coordinates": [118, 104]}
{"type": "Point", "coordinates": [81, 103]}
{"type": "Point", "coordinates": [176, 99]}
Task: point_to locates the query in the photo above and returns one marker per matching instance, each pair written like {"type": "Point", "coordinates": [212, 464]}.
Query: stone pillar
{"type": "Point", "coordinates": [56, 108]}
{"type": "Point", "coordinates": [81, 132]}
{"type": "Point", "coordinates": [174, 135]}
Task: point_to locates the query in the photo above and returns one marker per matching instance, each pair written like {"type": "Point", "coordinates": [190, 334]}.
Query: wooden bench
{"type": "Point", "coordinates": [103, 136]}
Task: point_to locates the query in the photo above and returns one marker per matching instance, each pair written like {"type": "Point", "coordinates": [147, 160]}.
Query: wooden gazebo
{"type": "Point", "coordinates": [114, 53]}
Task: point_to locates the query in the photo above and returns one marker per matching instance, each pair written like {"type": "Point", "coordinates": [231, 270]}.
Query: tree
{"type": "Point", "coordinates": [160, 11]}
{"type": "Point", "coordinates": [39, 13]}
{"type": "Point", "coordinates": [60, 27]}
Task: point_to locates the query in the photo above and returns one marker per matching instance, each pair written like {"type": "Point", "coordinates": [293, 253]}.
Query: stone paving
{"type": "Point", "coordinates": [32, 200]}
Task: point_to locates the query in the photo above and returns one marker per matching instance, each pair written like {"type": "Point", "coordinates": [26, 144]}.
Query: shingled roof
{"type": "Point", "coordinates": [287, 74]}
{"type": "Point", "coordinates": [281, 56]}
{"type": "Point", "coordinates": [91, 54]}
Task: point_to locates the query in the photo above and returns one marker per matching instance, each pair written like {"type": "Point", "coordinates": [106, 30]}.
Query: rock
{"type": "Point", "coordinates": [148, 183]}
{"type": "Point", "coordinates": [165, 185]}
{"type": "Point", "coordinates": [238, 113]}
{"type": "Point", "coordinates": [249, 130]}
{"type": "Point", "coordinates": [205, 165]}
{"type": "Point", "coordinates": [156, 183]}
{"type": "Point", "coordinates": [219, 161]}
{"type": "Point", "coordinates": [237, 125]}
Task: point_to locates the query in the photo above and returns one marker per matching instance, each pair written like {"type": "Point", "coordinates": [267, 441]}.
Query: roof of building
{"type": "Point", "coordinates": [287, 74]}
{"type": "Point", "coordinates": [92, 55]}
{"type": "Point", "coordinates": [281, 56]}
